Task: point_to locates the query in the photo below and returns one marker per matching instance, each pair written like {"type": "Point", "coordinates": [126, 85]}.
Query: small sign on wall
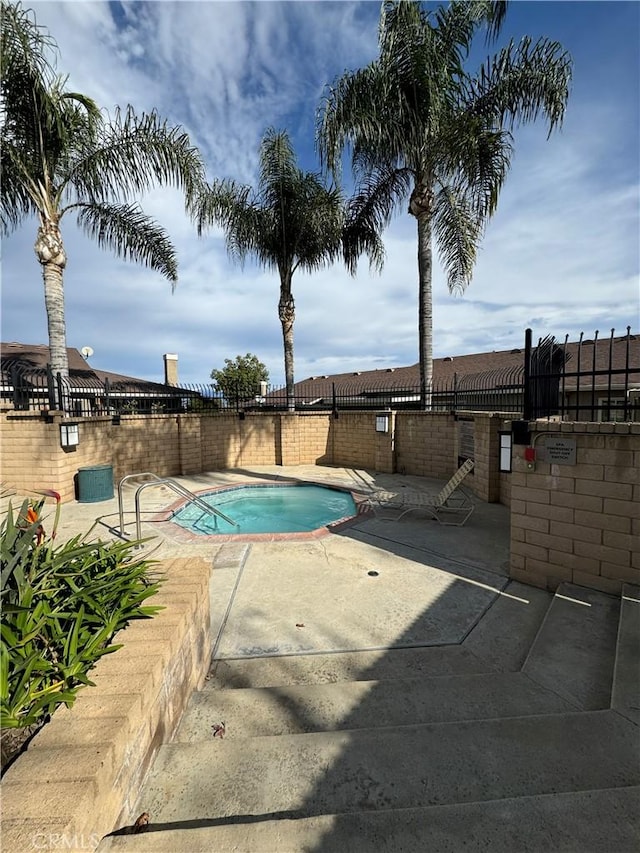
{"type": "Point", "coordinates": [558, 451]}
{"type": "Point", "coordinates": [382, 423]}
{"type": "Point", "coordinates": [506, 441]}
{"type": "Point", "coordinates": [466, 436]}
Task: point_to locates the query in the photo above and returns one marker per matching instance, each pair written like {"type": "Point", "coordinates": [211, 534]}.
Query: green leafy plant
{"type": "Point", "coordinates": [62, 605]}
{"type": "Point", "coordinates": [240, 379]}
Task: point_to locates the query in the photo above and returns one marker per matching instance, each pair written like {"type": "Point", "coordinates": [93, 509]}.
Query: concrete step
{"type": "Point", "coordinates": [365, 704]}
{"type": "Point", "coordinates": [598, 821]}
{"type": "Point", "coordinates": [505, 633]}
{"type": "Point", "coordinates": [625, 692]}
{"type": "Point", "coordinates": [402, 767]}
{"type": "Point", "coordinates": [574, 650]}
{"type": "Point", "coordinates": [377, 665]}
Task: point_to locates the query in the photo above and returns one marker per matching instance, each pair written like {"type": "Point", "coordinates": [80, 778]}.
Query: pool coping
{"type": "Point", "coordinates": [182, 535]}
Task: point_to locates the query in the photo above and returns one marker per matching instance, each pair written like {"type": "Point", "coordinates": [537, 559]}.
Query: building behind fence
{"type": "Point", "coordinates": [588, 380]}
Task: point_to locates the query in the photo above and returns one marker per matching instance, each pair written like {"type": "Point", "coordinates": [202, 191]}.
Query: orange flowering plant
{"type": "Point", "coordinates": [33, 515]}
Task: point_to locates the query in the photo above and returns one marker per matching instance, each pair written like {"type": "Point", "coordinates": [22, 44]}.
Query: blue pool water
{"type": "Point", "coordinates": [268, 509]}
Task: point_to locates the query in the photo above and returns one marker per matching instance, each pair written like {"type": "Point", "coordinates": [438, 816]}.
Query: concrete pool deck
{"type": "Point", "coordinates": [262, 590]}
{"type": "Point", "coordinates": [485, 537]}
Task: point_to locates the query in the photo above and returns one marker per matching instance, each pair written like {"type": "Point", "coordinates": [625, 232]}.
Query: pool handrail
{"type": "Point", "coordinates": [172, 484]}
{"type": "Point", "coordinates": [120, 503]}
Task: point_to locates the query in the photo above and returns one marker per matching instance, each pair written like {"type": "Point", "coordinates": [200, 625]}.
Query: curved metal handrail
{"type": "Point", "coordinates": [176, 487]}
{"type": "Point", "coordinates": [120, 484]}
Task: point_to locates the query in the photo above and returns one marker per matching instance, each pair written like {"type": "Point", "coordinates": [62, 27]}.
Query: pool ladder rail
{"type": "Point", "coordinates": [172, 484]}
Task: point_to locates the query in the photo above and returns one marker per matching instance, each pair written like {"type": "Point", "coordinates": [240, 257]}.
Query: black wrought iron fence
{"type": "Point", "coordinates": [592, 379]}
{"type": "Point", "coordinates": [87, 396]}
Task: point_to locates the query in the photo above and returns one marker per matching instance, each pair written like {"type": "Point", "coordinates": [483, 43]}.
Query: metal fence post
{"type": "Point", "coordinates": [60, 392]}
{"type": "Point", "coordinates": [527, 401]}
{"type": "Point", "coordinates": [51, 390]}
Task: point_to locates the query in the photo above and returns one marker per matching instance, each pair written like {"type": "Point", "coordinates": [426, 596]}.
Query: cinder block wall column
{"type": "Point", "coordinates": [385, 446]}
{"type": "Point", "coordinates": [486, 479]}
{"type": "Point", "coordinates": [289, 439]}
{"type": "Point", "coordinates": [578, 522]}
{"type": "Point", "coordinates": [190, 444]}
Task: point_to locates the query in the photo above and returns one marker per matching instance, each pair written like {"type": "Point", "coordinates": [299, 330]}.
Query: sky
{"type": "Point", "coordinates": [560, 256]}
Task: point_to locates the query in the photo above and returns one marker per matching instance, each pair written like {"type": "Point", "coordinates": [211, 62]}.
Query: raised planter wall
{"type": "Point", "coordinates": [81, 774]}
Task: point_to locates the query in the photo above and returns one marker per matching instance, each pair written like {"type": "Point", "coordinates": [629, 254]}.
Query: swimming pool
{"type": "Point", "coordinates": [268, 508]}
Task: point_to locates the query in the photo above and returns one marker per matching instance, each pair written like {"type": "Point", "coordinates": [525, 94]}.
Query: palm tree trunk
{"type": "Point", "coordinates": [50, 252]}
{"type": "Point", "coordinates": [420, 206]}
{"type": "Point", "coordinates": [287, 313]}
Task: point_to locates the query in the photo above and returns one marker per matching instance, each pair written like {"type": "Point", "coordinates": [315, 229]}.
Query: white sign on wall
{"type": "Point", "coordinates": [558, 451]}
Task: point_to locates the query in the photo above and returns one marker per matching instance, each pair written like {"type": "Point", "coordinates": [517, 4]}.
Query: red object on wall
{"type": "Point", "coordinates": [530, 454]}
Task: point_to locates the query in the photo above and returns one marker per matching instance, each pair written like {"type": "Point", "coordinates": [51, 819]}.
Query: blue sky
{"type": "Point", "coordinates": [560, 256]}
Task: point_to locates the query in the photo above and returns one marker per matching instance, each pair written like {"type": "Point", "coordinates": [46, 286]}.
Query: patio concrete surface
{"type": "Point", "coordinates": [296, 597]}
{"type": "Point", "coordinates": [433, 705]}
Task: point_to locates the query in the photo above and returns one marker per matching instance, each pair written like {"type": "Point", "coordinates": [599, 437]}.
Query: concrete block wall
{"type": "Point", "coordinates": [578, 523]}
{"type": "Point", "coordinates": [31, 455]}
{"type": "Point", "coordinates": [229, 442]}
{"type": "Point", "coordinates": [138, 443]}
{"type": "Point", "coordinates": [485, 480]}
{"type": "Point", "coordinates": [190, 443]}
{"type": "Point", "coordinates": [354, 441]}
{"type": "Point", "coordinates": [220, 437]}
{"type": "Point", "coordinates": [170, 445]}
{"type": "Point", "coordinates": [308, 439]}
{"type": "Point", "coordinates": [505, 489]}
{"type": "Point", "coordinates": [425, 444]}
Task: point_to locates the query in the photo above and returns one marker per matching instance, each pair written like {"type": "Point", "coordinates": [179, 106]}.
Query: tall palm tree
{"type": "Point", "coordinates": [60, 154]}
{"type": "Point", "coordinates": [421, 127]}
{"type": "Point", "coordinates": [290, 221]}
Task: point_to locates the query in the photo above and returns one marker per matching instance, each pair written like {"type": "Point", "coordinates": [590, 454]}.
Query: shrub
{"type": "Point", "coordinates": [62, 605]}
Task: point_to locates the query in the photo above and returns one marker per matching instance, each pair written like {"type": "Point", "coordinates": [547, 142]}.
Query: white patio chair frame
{"type": "Point", "coordinates": [451, 506]}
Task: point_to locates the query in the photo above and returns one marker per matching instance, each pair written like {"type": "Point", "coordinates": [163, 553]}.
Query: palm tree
{"type": "Point", "coordinates": [60, 154]}
{"type": "Point", "coordinates": [420, 127]}
{"type": "Point", "coordinates": [290, 221]}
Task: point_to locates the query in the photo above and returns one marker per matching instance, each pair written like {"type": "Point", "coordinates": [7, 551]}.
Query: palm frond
{"type": "Point", "coordinates": [132, 235]}
{"type": "Point", "coordinates": [379, 192]}
{"type": "Point", "coordinates": [477, 158]}
{"type": "Point", "coordinates": [316, 224]}
{"type": "Point", "coordinates": [218, 203]}
{"type": "Point", "coordinates": [16, 202]}
{"type": "Point", "coordinates": [458, 231]}
{"type": "Point", "coordinates": [27, 53]}
{"type": "Point", "coordinates": [523, 81]}
{"type": "Point", "coordinates": [353, 108]}
{"type": "Point", "coordinates": [462, 18]}
{"type": "Point", "coordinates": [279, 172]}
{"type": "Point", "coordinates": [135, 153]}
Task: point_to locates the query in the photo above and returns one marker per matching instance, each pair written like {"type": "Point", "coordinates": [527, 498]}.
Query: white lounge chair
{"type": "Point", "coordinates": [450, 506]}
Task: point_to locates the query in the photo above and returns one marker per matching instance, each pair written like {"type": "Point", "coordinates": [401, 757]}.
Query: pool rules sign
{"type": "Point", "coordinates": [558, 451]}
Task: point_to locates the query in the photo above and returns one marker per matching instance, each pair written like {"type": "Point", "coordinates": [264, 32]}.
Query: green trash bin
{"type": "Point", "coordinates": [95, 483]}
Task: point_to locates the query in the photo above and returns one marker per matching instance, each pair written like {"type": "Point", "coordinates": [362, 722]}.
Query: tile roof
{"type": "Point", "coordinates": [35, 357]}
{"type": "Point", "coordinates": [501, 365]}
